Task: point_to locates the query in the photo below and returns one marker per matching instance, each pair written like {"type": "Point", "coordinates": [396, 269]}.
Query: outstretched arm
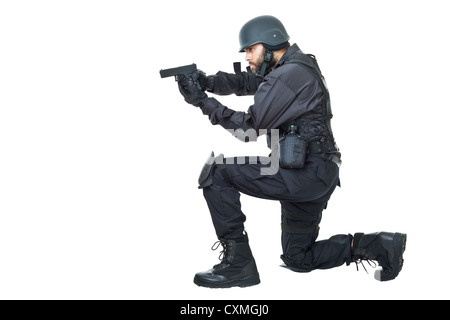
{"type": "Point", "coordinates": [240, 84]}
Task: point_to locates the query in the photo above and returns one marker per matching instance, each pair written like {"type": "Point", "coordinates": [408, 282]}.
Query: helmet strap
{"type": "Point", "coordinates": [268, 56]}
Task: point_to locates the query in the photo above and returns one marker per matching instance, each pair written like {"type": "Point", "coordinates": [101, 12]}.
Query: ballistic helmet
{"type": "Point", "coordinates": [267, 30]}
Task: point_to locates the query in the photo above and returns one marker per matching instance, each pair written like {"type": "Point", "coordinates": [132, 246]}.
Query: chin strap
{"type": "Point", "coordinates": [267, 58]}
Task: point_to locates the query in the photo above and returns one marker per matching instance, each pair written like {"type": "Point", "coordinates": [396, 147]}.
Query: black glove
{"type": "Point", "coordinates": [206, 82]}
{"type": "Point", "coordinates": [192, 91]}
{"type": "Point", "coordinates": [201, 78]}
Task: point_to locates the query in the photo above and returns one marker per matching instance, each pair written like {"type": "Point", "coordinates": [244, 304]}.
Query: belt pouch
{"type": "Point", "coordinates": [292, 151]}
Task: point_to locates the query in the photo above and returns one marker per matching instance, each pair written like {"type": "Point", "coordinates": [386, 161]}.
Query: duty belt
{"type": "Point", "coordinates": [321, 147]}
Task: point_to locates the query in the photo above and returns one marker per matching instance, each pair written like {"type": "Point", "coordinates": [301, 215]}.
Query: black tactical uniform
{"type": "Point", "coordinates": [294, 92]}
{"type": "Point", "coordinates": [290, 92]}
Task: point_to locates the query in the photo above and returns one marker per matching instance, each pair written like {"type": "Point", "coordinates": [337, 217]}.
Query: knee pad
{"type": "Point", "coordinates": [206, 175]}
{"type": "Point", "coordinates": [205, 178]}
{"type": "Point", "coordinates": [301, 262]}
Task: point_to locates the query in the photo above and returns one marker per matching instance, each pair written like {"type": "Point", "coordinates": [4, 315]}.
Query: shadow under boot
{"type": "Point", "coordinates": [384, 247]}
{"type": "Point", "coordinates": [238, 267]}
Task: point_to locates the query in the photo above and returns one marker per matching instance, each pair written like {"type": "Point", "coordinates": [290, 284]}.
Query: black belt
{"type": "Point", "coordinates": [321, 147]}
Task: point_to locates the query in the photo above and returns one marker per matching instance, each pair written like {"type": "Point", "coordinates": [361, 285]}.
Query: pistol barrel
{"type": "Point", "coordinates": [186, 70]}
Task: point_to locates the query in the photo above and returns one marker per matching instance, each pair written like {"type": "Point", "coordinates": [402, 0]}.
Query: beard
{"type": "Point", "coordinates": [259, 62]}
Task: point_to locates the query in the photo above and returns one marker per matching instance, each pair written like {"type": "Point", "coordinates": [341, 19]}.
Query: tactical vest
{"type": "Point", "coordinates": [315, 125]}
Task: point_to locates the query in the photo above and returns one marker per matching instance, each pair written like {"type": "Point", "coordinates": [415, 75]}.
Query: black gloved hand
{"type": "Point", "coordinates": [192, 91]}
{"type": "Point", "coordinates": [206, 82]}
{"type": "Point", "coordinates": [201, 78]}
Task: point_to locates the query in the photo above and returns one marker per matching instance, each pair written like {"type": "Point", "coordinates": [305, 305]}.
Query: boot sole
{"type": "Point", "coordinates": [399, 243]}
{"type": "Point", "coordinates": [246, 282]}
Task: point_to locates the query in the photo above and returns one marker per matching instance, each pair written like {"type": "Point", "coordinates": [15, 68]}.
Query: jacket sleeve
{"type": "Point", "coordinates": [240, 84]}
{"type": "Point", "coordinates": [285, 95]}
{"type": "Point", "coordinates": [227, 118]}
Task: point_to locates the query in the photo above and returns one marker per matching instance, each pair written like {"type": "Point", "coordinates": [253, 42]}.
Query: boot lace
{"type": "Point", "coordinates": [364, 257]}
{"type": "Point", "coordinates": [223, 253]}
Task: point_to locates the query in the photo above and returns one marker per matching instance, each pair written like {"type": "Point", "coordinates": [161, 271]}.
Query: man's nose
{"type": "Point", "coordinates": [247, 57]}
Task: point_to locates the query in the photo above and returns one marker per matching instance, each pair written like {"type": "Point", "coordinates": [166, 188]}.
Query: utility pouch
{"type": "Point", "coordinates": [292, 149]}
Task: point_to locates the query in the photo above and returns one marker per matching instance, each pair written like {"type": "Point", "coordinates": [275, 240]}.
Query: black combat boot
{"type": "Point", "coordinates": [384, 247]}
{"type": "Point", "coordinates": [238, 267]}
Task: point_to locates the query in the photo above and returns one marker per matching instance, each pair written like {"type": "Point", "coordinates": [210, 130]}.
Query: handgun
{"type": "Point", "coordinates": [180, 73]}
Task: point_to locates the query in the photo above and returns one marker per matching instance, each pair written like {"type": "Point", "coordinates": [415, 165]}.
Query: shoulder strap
{"type": "Point", "coordinates": [251, 77]}
{"type": "Point", "coordinates": [310, 62]}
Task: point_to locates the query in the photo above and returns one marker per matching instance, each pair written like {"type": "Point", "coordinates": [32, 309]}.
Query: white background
{"type": "Point", "coordinates": [99, 156]}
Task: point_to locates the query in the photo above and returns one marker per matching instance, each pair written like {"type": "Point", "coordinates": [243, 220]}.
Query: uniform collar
{"type": "Point", "coordinates": [289, 52]}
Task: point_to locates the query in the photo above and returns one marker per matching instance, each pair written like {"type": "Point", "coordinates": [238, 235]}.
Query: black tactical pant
{"type": "Point", "coordinates": [303, 194]}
